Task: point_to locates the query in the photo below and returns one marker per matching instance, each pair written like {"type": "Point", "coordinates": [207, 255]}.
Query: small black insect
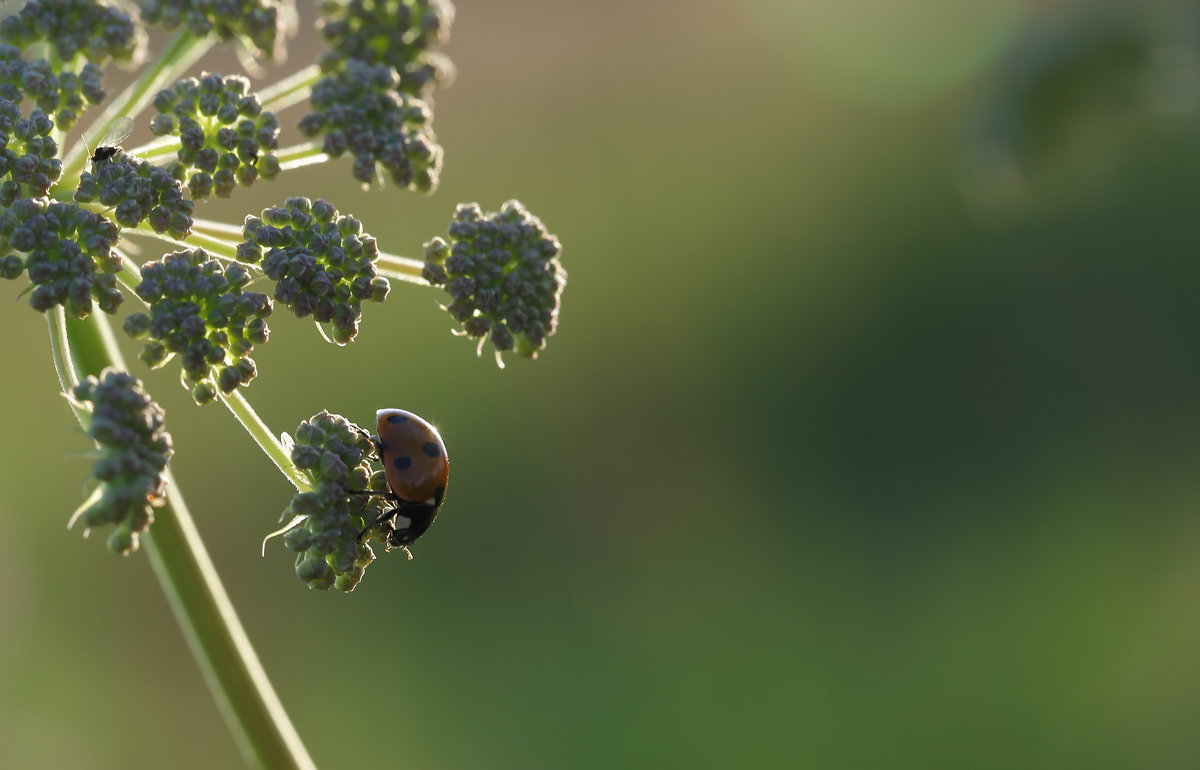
{"type": "Point", "coordinates": [110, 144]}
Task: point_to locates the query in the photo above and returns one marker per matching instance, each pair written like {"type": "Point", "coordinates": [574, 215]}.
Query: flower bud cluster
{"type": "Point", "coordinates": [63, 95]}
{"type": "Point", "coordinates": [89, 28]}
{"type": "Point", "coordinates": [503, 276]}
{"type": "Point", "coordinates": [360, 109]}
{"type": "Point", "coordinates": [134, 448]}
{"type": "Point", "coordinates": [323, 263]}
{"type": "Point", "coordinates": [199, 312]}
{"type": "Point", "coordinates": [29, 162]}
{"type": "Point", "coordinates": [137, 191]}
{"type": "Point", "coordinates": [226, 136]}
{"type": "Point", "coordinates": [260, 26]}
{"type": "Point", "coordinates": [68, 255]}
{"type": "Point", "coordinates": [402, 34]}
{"type": "Point", "coordinates": [335, 455]}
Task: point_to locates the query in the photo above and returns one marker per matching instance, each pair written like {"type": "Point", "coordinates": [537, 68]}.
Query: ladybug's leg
{"type": "Point", "coordinates": [390, 512]}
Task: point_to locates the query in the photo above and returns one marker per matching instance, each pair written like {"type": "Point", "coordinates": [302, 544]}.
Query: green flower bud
{"type": "Point", "coordinates": [134, 449]}
{"type": "Point", "coordinates": [336, 456]}
{"type": "Point", "coordinates": [323, 265]}
{"type": "Point", "coordinates": [261, 26]}
{"type": "Point", "coordinates": [199, 312]}
{"type": "Point", "coordinates": [402, 34]}
{"type": "Point", "coordinates": [503, 275]}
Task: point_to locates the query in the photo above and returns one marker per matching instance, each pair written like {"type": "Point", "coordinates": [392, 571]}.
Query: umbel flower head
{"type": "Point", "coordinates": [89, 28]}
{"type": "Point", "coordinates": [68, 255]}
{"type": "Point", "coordinates": [133, 451]}
{"type": "Point", "coordinates": [359, 109]}
{"type": "Point", "coordinates": [199, 312]}
{"type": "Point", "coordinates": [29, 162]}
{"type": "Point", "coordinates": [503, 276]}
{"type": "Point", "coordinates": [226, 137]}
{"type": "Point", "coordinates": [63, 95]}
{"type": "Point", "coordinates": [137, 190]}
{"type": "Point", "coordinates": [323, 263]}
{"type": "Point", "coordinates": [335, 456]}
{"type": "Point", "coordinates": [261, 26]}
{"type": "Point", "coordinates": [402, 34]}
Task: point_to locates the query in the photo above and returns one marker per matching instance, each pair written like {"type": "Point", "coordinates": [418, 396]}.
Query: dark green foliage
{"type": "Point", "coordinates": [199, 312]}
{"type": "Point", "coordinates": [322, 262]}
{"type": "Point", "coordinates": [503, 276]}
{"type": "Point", "coordinates": [134, 448]}
{"type": "Point", "coordinates": [227, 138]}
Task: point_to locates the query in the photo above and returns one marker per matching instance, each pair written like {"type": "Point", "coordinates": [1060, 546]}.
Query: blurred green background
{"type": "Point", "coordinates": [867, 440]}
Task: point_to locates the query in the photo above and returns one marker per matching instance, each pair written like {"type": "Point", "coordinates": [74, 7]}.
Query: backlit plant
{"type": "Point", "coordinates": [202, 300]}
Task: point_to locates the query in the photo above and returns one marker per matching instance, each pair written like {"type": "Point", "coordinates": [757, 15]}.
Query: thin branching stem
{"type": "Point", "coordinates": [258, 430]}
{"type": "Point", "coordinates": [60, 351]}
{"type": "Point", "coordinates": [291, 90]}
{"type": "Point", "coordinates": [214, 227]}
{"type": "Point", "coordinates": [217, 247]}
{"type": "Point", "coordinates": [163, 146]}
{"type": "Point", "coordinates": [130, 276]}
{"type": "Point", "coordinates": [300, 155]}
{"type": "Point", "coordinates": [401, 268]}
{"type": "Point", "coordinates": [232, 669]}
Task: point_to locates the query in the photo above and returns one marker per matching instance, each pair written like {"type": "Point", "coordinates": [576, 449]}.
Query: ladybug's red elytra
{"type": "Point", "coordinates": [417, 469]}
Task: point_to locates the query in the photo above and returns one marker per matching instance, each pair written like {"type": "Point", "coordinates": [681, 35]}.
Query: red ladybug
{"type": "Point", "coordinates": [417, 469]}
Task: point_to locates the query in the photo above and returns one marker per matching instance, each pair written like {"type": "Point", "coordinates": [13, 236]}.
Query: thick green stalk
{"type": "Point", "coordinates": [182, 565]}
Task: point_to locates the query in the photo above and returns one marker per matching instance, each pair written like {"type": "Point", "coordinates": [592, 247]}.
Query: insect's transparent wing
{"type": "Point", "coordinates": [118, 132]}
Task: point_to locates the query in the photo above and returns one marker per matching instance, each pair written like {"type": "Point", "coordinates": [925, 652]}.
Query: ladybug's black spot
{"type": "Point", "coordinates": [402, 463]}
{"type": "Point", "coordinates": [397, 418]}
{"type": "Point", "coordinates": [432, 449]}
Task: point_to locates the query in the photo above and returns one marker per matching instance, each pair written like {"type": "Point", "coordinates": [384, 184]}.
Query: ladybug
{"type": "Point", "coordinates": [417, 470]}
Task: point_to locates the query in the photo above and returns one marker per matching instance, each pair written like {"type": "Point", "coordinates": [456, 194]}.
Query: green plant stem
{"type": "Point", "coordinates": [258, 430]}
{"type": "Point", "coordinates": [217, 247]}
{"type": "Point", "coordinates": [292, 89]}
{"type": "Point", "coordinates": [215, 228]}
{"type": "Point", "coordinates": [401, 268]}
{"type": "Point", "coordinates": [301, 155]}
{"type": "Point", "coordinates": [186, 573]}
{"type": "Point", "coordinates": [130, 276]}
{"type": "Point", "coordinates": [160, 147]}
{"type": "Point", "coordinates": [180, 54]}
{"type": "Point", "coordinates": [64, 365]}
